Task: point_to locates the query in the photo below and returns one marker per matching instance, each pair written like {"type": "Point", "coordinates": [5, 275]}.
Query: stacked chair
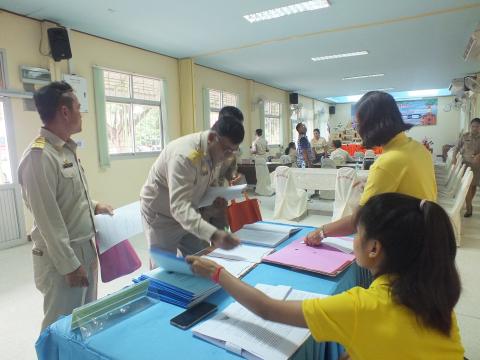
{"type": "Point", "coordinates": [453, 181]}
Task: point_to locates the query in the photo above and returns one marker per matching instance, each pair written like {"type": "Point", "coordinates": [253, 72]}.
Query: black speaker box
{"type": "Point", "coordinates": [59, 43]}
{"type": "Point", "coordinates": [293, 98]}
{"type": "Point", "coordinates": [331, 110]}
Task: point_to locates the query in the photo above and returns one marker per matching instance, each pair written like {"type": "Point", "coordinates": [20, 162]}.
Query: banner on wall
{"type": "Point", "coordinates": [415, 112]}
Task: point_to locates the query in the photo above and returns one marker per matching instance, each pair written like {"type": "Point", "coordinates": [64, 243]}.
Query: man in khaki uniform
{"type": "Point", "coordinates": [177, 181]}
{"type": "Point", "coordinates": [469, 147]}
{"type": "Point", "coordinates": [55, 190]}
{"type": "Point", "coordinates": [228, 175]}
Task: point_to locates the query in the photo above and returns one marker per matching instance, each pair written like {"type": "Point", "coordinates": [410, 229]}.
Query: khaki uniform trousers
{"type": "Point", "coordinates": [58, 297]}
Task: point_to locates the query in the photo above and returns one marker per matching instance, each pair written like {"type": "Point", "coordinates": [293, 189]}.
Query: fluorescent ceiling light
{"type": "Point", "coordinates": [354, 98]}
{"type": "Point", "coordinates": [362, 76]}
{"type": "Point", "coordinates": [287, 10]}
{"type": "Point", "coordinates": [339, 56]}
{"type": "Point", "coordinates": [422, 93]}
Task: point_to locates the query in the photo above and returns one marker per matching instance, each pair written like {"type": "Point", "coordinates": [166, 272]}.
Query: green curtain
{"type": "Point", "coordinates": [99, 89]}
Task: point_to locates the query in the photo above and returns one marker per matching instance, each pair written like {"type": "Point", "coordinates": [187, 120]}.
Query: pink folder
{"type": "Point", "coordinates": [322, 259]}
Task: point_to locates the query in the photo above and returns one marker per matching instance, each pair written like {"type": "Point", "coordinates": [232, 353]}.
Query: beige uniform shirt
{"type": "Point", "coordinates": [178, 180]}
{"type": "Point", "coordinates": [469, 146]}
{"type": "Point", "coordinates": [319, 146]}
{"type": "Point", "coordinates": [55, 190]}
{"type": "Point", "coordinates": [260, 145]}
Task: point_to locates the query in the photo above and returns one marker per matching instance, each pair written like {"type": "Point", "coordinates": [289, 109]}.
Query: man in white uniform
{"type": "Point", "coordinates": [260, 145]}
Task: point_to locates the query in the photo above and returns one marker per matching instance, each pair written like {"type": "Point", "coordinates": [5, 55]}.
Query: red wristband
{"type": "Point", "coordinates": [216, 275]}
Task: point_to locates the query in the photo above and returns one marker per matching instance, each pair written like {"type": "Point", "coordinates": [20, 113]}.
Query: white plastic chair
{"type": "Point", "coordinates": [454, 210]}
{"type": "Point", "coordinates": [348, 191]}
{"type": "Point", "coordinates": [328, 164]}
{"type": "Point", "coordinates": [450, 190]}
{"type": "Point", "coordinates": [290, 202]}
{"type": "Point", "coordinates": [263, 186]}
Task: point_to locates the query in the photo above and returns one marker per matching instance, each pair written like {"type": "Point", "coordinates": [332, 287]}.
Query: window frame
{"type": "Point", "coordinates": [132, 101]}
{"type": "Point", "coordinates": [221, 91]}
{"type": "Point", "coordinates": [280, 122]}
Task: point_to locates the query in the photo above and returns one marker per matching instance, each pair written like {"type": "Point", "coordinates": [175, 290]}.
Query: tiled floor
{"type": "Point", "coordinates": [21, 303]}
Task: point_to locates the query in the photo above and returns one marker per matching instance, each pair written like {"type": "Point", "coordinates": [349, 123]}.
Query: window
{"type": "Point", "coordinates": [217, 100]}
{"type": "Point", "coordinates": [133, 113]}
{"type": "Point", "coordinates": [273, 123]}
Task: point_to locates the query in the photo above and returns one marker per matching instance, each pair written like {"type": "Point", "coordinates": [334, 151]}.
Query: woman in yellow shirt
{"type": "Point", "coordinates": [405, 165]}
{"type": "Point", "coordinates": [407, 313]}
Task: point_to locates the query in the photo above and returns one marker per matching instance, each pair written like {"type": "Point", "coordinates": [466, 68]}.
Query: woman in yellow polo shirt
{"type": "Point", "coordinates": [405, 165]}
{"type": "Point", "coordinates": [407, 312]}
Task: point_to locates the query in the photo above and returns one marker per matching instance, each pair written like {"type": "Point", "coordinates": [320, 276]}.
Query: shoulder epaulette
{"type": "Point", "coordinates": [195, 156]}
{"type": "Point", "coordinates": [39, 143]}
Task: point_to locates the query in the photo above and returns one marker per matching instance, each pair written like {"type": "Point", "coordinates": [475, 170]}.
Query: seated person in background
{"type": "Point", "coordinates": [319, 145]}
{"type": "Point", "coordinates": [340, 153]}
{"type": "Point", "coordinates": [260, 145]}
{"type": "Point", "coordinates": [291, 152]}
{"type": "Point", "coordinates": [406, 313]}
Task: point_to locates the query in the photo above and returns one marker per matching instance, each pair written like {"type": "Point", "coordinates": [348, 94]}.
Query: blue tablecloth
{"type": "Point", "coordinates": [149, 335]}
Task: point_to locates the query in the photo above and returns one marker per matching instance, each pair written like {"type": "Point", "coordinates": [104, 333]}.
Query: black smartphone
{"type": "Point", "coordinates": [193, 315]}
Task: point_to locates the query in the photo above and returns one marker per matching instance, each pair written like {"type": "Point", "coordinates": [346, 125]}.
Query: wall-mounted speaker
{"type": "Point", "coordinates": [331, 110]}
{"type": "Point", "coordinates": [59, 43]}
{"type": "Point", "coordinates": [293, 98]}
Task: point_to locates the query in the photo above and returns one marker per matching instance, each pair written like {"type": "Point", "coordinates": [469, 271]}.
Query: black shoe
{"type": "Point", "coordinates": [467, 214]}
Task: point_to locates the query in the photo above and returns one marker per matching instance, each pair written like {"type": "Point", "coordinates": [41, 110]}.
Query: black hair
{"type": "Point", "coordinates": [50, 97]}
{"type": "Point", "coordinates": [379, 119]}
{"type": "Point", "coordinates": [418, 241]}
{"type": "Point", "coordinates": [337, 144]}
{"type": "Point", "coordinates": [291, 145]}
{"type": "Point", "coordinates": [298, 126]}
{"type": "Point", "coordinates": [317, 130]}
{"type": "Point", "coordinates": [477, 120]}
{"type": "Point", "coordinates": [231, 111]}
{"type": "Point", "coordinates": [231, 128]}
{"type": "Point", "coordinates": [259, 132]}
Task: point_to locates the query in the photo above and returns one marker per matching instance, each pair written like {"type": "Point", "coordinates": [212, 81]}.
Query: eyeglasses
{"type": "Point", "coordinates": [225, 147]}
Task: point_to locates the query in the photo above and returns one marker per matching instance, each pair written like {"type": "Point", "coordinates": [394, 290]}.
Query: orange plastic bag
{"type": "Point", "coordinates": [242, 213]}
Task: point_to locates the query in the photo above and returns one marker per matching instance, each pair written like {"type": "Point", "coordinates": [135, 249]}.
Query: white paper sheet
{"type": "Point", "coordinates": [235, 267]}
{"type": "Point", "coordinates": [260, 226]}
{"type": "Point", "coordinates": [125, 223]}
{"type": "Point", "coordinates": [343, 244]}
{"type": "Point", "coordinates": [251, 336]}
{"type": "Point", "coordinates": [262, 238]}
{"type": "Point", "coordinates": [253, 254]}
{"type": "Point", "coordinates": [227, 193]}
